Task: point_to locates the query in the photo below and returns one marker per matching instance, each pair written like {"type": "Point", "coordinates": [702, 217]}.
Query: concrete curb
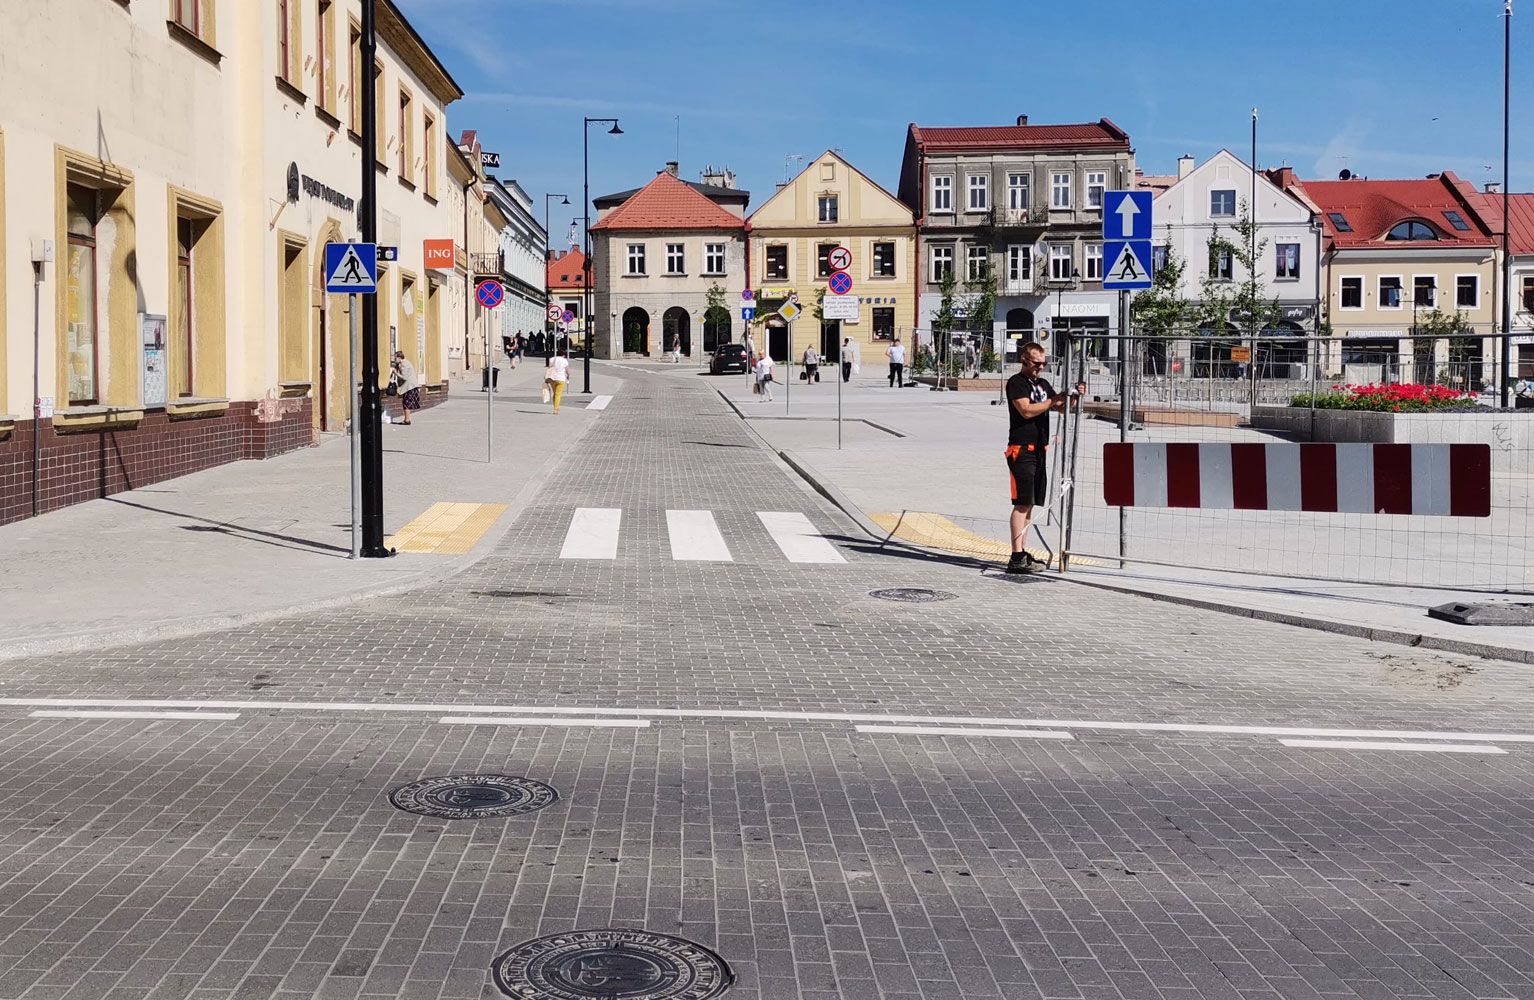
{"type": "Point", "coordinates": [186, 628]}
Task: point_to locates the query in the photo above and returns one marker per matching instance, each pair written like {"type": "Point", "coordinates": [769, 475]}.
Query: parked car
{"type": "Point", "coordinates": [729, 358]}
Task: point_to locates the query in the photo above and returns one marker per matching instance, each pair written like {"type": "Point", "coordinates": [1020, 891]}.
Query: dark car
{"type": "Point", "coordinates": [729, 358]}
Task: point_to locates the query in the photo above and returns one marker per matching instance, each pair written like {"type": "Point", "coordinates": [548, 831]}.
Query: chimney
{"type": "Point", "coordinates": [1022, 119]}
{"type": "Point", "coordinates": [1184, 166]}
{"type": "Point", "coordinates": [1493, 187]}
{"type": "Point", "coordinates": [672, 167]}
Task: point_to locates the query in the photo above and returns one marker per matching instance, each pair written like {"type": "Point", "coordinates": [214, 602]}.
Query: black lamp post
{"type": "Point", "coordinates": [564, 200]}
{"type": "Point", "coordinates": [586, 232]}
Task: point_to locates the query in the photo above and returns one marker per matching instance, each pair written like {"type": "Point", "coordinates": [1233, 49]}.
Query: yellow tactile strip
{"type": "Point", "coordinates": [447, 529]}
{"type": "Point", "coordinates": [938, 532]}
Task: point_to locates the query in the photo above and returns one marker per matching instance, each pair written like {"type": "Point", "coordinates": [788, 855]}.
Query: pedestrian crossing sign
{"type": "Point", "coordinates": [1130, 264]}
{"type": "Point", "coordinates": [351, 268]}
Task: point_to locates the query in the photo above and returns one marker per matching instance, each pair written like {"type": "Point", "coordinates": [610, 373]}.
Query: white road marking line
{"type": "Point", "coordinates": [1379, 745]}
{"type": "Point", "coordinates": [109, 714]}
{"type": "Point", "coordinates": [797, 537]}
{"type": "Point", "coordinates": [773, 714]}
{"type": "Point", "coordinates": [502, 720]}
{"type": "Point", "coordinates": [695, 537]}
{"type": "Point", "coordinates": [593, 533]}
{"type": "Point", "coordinates": [1037, 734]}
{"type": "Point", "coordinates": [599, 403]}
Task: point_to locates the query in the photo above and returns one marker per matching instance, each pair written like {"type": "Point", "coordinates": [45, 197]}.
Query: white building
{"type": "Point", "coordinates": [522, 270]}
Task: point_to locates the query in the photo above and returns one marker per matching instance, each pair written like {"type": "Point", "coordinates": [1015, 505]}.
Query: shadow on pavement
{"type": "Point", "coordinates": [235, 531]}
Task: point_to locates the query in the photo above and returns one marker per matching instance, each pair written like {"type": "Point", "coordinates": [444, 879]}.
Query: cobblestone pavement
{"type": "Point", "coordinates": [740, 806]}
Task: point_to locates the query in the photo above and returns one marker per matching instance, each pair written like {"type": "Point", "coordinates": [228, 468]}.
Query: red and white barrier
{"type": "Point", "coordinates": [1443, 479]}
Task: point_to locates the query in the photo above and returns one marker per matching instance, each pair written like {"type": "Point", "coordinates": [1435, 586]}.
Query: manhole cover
{"type": "Point", "coordinates": [1485, 613]}
{"type": "Point", "coordinates": [912, 595]}
{"type": "Point", "coordinates": [636, 965]}
{"type": "Point", "coordinates": [473, 796]}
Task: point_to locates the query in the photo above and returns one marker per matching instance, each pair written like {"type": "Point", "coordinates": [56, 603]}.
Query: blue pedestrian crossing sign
{"type": "Point", "coordinates": [1126, 215]}
{"type": "Point", "coordinates": [1128, 263]}
{"type": "Point", "coordinates": [351, 268]}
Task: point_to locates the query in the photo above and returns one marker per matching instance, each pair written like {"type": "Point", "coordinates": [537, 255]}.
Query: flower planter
{"type": "Point", "coordinates": [1510, 434]}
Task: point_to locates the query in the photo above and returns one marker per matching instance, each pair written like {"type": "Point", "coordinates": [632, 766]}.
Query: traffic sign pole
{"type": "Point", "coordinates": [371, 423]}
{"type": "Point", "coordinates": [356, 442]}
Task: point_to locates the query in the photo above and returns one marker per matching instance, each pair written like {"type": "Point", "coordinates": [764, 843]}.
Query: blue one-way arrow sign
{"type": "Point", "coordinates": [1126, 215]}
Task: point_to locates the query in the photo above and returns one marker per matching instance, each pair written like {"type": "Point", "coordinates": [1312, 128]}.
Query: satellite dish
{"type": "Point", "coordinates": [1345, 175]}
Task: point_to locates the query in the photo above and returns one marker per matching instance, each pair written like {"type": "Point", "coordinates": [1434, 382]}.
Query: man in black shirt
{"type": "Point", "coordinates": [1029, 400]}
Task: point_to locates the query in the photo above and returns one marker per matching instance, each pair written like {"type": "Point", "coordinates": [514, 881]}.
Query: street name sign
{"type": "Point", "coordinates": [351, 268]}
{"type": "Point", "coordinates": [388, 255]}
{"type": "Point", "coordinates": [839, 307]}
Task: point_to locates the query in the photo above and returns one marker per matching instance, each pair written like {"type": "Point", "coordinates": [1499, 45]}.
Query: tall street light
{"type": "Point", "coordinates": [1507, 260]}
{"type": "Point", "coordinates": [564, 200]}
{"type": "Point", "coordinates": [370, 413]}
{"type": "Point", "coordinates": [586, 233]}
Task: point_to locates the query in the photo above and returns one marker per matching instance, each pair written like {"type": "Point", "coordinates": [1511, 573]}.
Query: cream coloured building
{"type": "Point", "coordinates": [185, 184]}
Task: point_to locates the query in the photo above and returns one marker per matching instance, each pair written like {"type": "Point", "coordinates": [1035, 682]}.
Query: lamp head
{"type": "Point", "coordinates": [615, 130]}
{"type": "Point", "coordinates": [565, 201]}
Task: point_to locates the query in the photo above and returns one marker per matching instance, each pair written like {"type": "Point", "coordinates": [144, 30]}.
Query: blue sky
{"type": "Point", "coordinates": [1387, 88]}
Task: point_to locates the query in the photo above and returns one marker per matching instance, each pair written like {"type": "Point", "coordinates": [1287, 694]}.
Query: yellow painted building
{"type": "Point", "coordinates": [832, 204]}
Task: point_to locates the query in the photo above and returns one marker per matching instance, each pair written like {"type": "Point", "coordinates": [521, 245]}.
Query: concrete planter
{"type": "Point", "coordinates": [1510, 434]}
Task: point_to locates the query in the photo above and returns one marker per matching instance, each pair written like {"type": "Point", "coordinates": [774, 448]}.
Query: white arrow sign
{"type": "Point", "coordinates": [1127, 212]}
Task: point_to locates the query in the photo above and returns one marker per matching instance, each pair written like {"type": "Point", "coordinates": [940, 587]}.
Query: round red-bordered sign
{"type": "Point", "coordinates": [490, 293]}
{"type": "Point", "coordinates": [840, 259]}
{"type": "Point", "coordinates": [840, 282]}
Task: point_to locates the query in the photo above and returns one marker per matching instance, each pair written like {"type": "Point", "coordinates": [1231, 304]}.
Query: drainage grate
{"type": "Point", "coordinates": [473, 796]}
{"type": "Point", "coordinates": [1485, 613]}
{"type": "Point", "coordinates": [634, 965]}
{"type": "Point", "coordinates": [912, 595]}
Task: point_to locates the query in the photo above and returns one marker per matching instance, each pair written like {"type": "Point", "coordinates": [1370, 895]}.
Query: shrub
{"type": "Point", "coordinates": [1396, 398]}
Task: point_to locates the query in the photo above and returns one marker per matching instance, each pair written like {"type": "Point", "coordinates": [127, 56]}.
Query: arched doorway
{"type": "Point", "coordinates": [676, 327]}
{"type": "Point", "coordinates": [636, 331]}
{"type": "Point", "coordinates": [716, 329]}
{"type": "Point", "coordinates": [1019, 326]}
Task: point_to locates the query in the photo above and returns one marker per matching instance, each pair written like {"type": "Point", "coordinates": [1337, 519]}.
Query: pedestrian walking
{"type": "Point", "coordinates": [849, 359]}
{"type": "Point", "coordinates": [811, 364]}
{"type": "Point", "coordinates": [764, 377]}
{"type": "Point", "coordinates": [1030, 397]}
{"type": "Point", "coordinates": [557, 377]}
{"type": "Point", "coordinates": [409, 385]}
{"type": "Point", "coordinates": [896, 353]}
{"type": "Point", "coordinates": [971, 368]}
{"type": "Point", "coordinates": [674, 348]}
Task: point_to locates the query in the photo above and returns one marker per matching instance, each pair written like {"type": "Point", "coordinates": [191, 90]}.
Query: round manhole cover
{"type": "Point", "coordinates": [635, 965]}
{"type": "Point", "coordinates": [912, 595]}
{"type": "Point", "coordinates": [473, 796]}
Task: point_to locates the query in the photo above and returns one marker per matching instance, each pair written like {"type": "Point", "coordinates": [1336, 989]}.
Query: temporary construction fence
{"type": "Point", "coordinates": [1244, 455]}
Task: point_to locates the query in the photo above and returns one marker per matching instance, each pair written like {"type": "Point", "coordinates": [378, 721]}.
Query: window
{"type": "Point", "coordinates": [182, 346]}
{"type": "Point", "coordinates": [429, 153]}
{"type": "Point", "coordinates": [1467, 291]}
{"type": "Point", "coordinates": [381, 112]}
{"type": "Point", "coordinates": [636, 258]}
{"type": "Point", "coordinates": [1340, 222]}
{"type": "Point", "coordinates": [942, 262]}
{"type": "Point", "coordinates": [777, 263]}
{"type": "Point", "coordinates": [1528, 294]}
{"type": "Point", "coordinates": [1159, 257]}
{"type": "Point", "coordinates": [676, 259]}
{"type": "Point", "coordinates": [1222, 204]}
{"type": "Point", "coordinates": [827, 204]}
{"type": "Point", "coordinates": [1059, 190]}
{"type": "Point", "coordinates": [186, 14]}
{"type": "Point", "coordinates": [284, 41]}
{"type": "Point", "coordinates": [323, 77]}
{"type": "Point", "coordinates": [713, 258]}
{"type": "Point", "coordinates": [884, 323]}
{"type": "Point", "coordinates": [1424, 291]}
{"type": "Point", "coordinates": [978, 191]}
{"type": "Point", "coordinates": [1457, 221]}
{"type": "Point", "coordinates": [1060, 268]}
{"type": "Point", "coordinates": [80, 355]}
{"type": "Point", "coordinates": [354, 73]}
{"type": "Point", "coordinates": [1094, 255]}
{"type": "Point", "coordinates": [1019, 263]}
{"type": "Point", "coordinates": [1390, 293]}
{"type": "Point", "coordinates": [1352, 293]}
{"type": "Point", "coordinates": [942, 194]}
{"type": "Point", "coordinates": [1017, 192]}
{"type": "Point", "coordinates": [1222, 264]}
{"type": "Point", "coordinates": [977, 263]}
{"type": "Point", "coordinates": [823, 259]}
{"type": "Point", "coordinates": [406, 137]}
{"type": "Point", "coordinates": [1097, 183]}
{"type": "Point", "coordinates": [1287, 262]}
{"type": "Point", "coordinates": [884, 260]}
{"type": "Point", "coordinates": [1411, 229]}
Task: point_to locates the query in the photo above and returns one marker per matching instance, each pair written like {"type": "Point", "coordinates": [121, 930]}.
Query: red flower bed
{"type": "Point", "coordinates": [1398, 398]}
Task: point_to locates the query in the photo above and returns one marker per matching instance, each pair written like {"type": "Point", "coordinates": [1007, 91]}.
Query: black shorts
{"type": "Point", "coordinates": [1029, 475]}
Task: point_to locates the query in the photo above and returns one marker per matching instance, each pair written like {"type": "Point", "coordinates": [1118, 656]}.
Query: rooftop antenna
{"type": "Point", "coordinates": [678, 137]}
{"type": "Point", "coordinates": [788, 159]}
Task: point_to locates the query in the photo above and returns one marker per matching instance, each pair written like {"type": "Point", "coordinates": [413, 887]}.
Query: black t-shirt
{"type": "Point", "coordinates": [1028, 430]}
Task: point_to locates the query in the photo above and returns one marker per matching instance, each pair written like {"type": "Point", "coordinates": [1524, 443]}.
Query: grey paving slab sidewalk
{"type": "Point", "coordinates": [252, 540]}
{"type": "Point", "coordinates": [912, 449]}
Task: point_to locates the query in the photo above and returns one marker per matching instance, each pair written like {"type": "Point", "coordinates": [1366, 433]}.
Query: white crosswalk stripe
{"type": "Point", "coordinates": [695, 537]}
{"type": "Point", "coordinates": [593, 534]}
{"type": "Point", "coordinates": [797, 538]}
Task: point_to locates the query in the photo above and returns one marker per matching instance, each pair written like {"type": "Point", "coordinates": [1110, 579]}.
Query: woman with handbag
{"type": "Point", "coordinates": [406, 384]}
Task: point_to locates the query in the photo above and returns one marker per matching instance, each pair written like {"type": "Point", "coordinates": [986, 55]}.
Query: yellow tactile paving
{"type": "Point", "coordinates": [938, 532]}
{"type": "Point", "coordinates": [447, 529]}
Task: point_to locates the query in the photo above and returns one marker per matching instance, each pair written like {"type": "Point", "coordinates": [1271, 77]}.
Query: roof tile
{"type": "Point", "coordinates": [1102, 133]}
{"type": "Point", "coordinates": [1372, 207]}
{"type": "Point", "coordinates": [669, 203]}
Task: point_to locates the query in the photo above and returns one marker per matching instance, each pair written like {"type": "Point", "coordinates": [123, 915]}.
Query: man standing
{"type": "Point", "coordinates": [1029, 399]}
{"type": "Point", "coordinates": [849, 358]}
{"type": "Point", "coordinates": [896, 354]}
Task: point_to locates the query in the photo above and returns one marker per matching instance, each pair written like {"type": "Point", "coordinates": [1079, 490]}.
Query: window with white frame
{"type": "Point", "coordinates": [1017, 192]}
{"type": "Point", "coordinates": [636, 258]}
{"type": "Point", "coordinates": [942, 262]}
{"type": "Point", "coordinates": [979, 192]}
{"type": "Point", "coordinates": [1060, 190]}
{"type": "Point", "coordinates": [1390, 292]}
{"type": "Point", "coordinates": [1060, 268]}
{"type": "Point", "coordinates": [1097, 183]}
{"type": "Point", "coordinates": [1424, 291]}
{"type": "Point", "coordinates": [827, 204]}
{"type": "Point", "coordinates": [676, 259]}
{"type": "Point", "coordinates": [1019, 263]}
{"type": "Point", "coordinates": [1222, 204]}
{"type": "Point", "coordinates": [977, 263]}
{"type": "Point", "coordinates": [942, 194]}
{"type": "Point", "coordinates": [1094, 256]}
{"type": "Point", "coordinates": [713, 258]}
{"type": "Point", "coordinates": [1222, 264]}
{"type": "Point", "coordinates": [1286, 262]}
{"type": "Point", "coordinates": [1467, 291]}
{"type": "Point", "coordinates": [1350, 293]}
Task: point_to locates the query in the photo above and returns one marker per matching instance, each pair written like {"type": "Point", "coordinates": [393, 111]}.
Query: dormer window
{"type": "Point", "coordinates": [1340, 221]}
{"type": "Point", "coordinates": [1412, 229]}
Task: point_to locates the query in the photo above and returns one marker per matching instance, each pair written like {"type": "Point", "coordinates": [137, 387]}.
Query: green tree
{"type": "Point", "coordinates": [716, 308]}
{"type": "Point", "coordinates": [943, 319]}
{"type": "Point", "coordinates": [1161, 310]}
{"type": "Point", "coordinates": [982, 307]}
{"type": "Point", "coordinates": [1245, 301]}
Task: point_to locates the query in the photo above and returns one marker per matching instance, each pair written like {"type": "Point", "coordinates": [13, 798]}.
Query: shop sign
{"type": "Point", "coordinates": [299, 183]}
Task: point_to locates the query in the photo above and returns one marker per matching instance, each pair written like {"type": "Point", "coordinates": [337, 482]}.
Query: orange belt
{"type": "Point", "coordinates": [1014, 450]}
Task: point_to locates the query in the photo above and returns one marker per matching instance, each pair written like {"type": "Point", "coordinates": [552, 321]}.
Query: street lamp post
{"type": "Point", "coordinates": [564, 199]}
{"type": "Point", "coordinates": [586, 233]}
{"type": "Point", "coordinates": [1507, 260]}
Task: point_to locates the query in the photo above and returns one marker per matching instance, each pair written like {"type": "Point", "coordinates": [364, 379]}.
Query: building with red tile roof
{"type": "Point", "coordinates": [1520, 209]}
{"type": "Point", "coordinates": [567, 282]}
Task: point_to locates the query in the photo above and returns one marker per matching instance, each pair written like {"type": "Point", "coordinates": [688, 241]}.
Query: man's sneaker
{"type": "Point", "coordinates": [1021, 562]}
